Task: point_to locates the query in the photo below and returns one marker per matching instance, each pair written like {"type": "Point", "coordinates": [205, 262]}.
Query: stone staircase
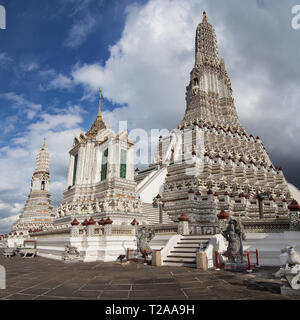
{"type": "Point", "coordinates": [184, 251]}
{"type": "Point", "coordinates": [153, 214]}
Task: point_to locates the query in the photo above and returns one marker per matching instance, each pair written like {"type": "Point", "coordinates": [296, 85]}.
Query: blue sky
{"type": "Point", "coordinates": [47, 38]}
{"type": "Point", "coordinates": [54, 56]}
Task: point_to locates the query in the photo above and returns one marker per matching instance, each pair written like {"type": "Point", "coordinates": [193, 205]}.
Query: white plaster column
{"type": "Point", "coordinates": [183, 225]}
{"type": "Point", "coordinates": [108, 227]}
{"type": "Point", "coordinates": [70, 171]}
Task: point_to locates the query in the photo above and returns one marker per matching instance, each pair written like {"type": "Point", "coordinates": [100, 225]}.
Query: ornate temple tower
{"type": "Point", "coordinates": [100, 181]}
{"type": "Point", "coordinates": [211, 161]}
{"type": "Point", "coordinates": [209, 93]}
{"type": "Point", "coordinates": [37, 213]}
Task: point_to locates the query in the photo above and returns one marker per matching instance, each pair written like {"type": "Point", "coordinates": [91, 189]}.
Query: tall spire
{"type": "Point", "coordinates": [99, 115]}
{"type": "Point", "coordinates": [206, 47]}
{"type": "Point", "coordinates": [209, 93]}
{"type": "Point", "coordinates": [98, 123]}
{"type": "Point", "coordinates": [37, 211]}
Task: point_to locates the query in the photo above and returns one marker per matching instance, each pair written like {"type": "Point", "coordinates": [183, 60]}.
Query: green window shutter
{"type": "Point", "coordinates": [104, 165]}
{"type": "Point", "coordinates": [123, 164]}
{"type": "Point", "coordinates": [75, 168]}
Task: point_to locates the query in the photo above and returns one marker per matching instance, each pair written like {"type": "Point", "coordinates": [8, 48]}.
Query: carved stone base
{"type": "Point", "coordinates": [235, 266]}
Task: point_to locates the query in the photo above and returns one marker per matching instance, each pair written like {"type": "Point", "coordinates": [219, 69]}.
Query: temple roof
{"type": "Point", "coordinates": [98, 123]}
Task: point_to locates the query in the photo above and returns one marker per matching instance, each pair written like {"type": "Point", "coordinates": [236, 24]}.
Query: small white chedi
{"type": "Point", "coordinates": [37, 213]}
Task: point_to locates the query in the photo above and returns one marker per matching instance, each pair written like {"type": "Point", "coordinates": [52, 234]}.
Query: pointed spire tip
{"type": "Point", "coordinates": [44, 143]}
{"type": "Point", "coordinates": [99, 115]}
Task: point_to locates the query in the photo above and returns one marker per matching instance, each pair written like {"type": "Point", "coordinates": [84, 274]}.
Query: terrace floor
{"type": "Point", "coordinates": [43, 279]}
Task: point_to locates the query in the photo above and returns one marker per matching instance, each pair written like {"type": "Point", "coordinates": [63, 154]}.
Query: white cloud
{"type": "Point", "coordinates": [29, 67]}
{"type": "Point", "coordinates": [6, 223]}
{"type": "Point", "coordinates": [80, 30]}
{"type": "Point", "coordinates": [148, 68]}
{"type": "Point", "coordinates": [60, 82]}
{"type": "Point", "coordinates": [27, 107]}
{"type": "Point", "coordinates": [19, 157]}
{"type": "Point", "coordinates": [5, 59]}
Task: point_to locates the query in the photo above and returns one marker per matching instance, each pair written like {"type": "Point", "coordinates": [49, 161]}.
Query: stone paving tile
{"type": "Point", "coordinates": [20, 297]}
{"type": "Point", "coordinates": [114, 295]}
{"type": "Point", "coordinates": [195, 284]}
{"type": "Point", "coordinates": [122, 281]}
{"type": "Point", "coordinates": [87, 294]}
{"type": "Point", "coordinates": [34, 291]}
{"type": "Point", "coordinates": [118, 287]}
{"type": "Point", "coordinates": [50, 284]}
{"type": "Point", "coordinates": [12, 289]}
{"type": "Point", "coordinates": [164, 280]}
{"type": "Point", "coordinates": [143, 281]}
{"type": "Point", "coordinates": [154, 293]}
{"type": "Point", "coordinates": [49, 298]}
{"type": "Point", "coordinates": [182, 297]}
{"type": "Point", "coordinates": [5, 293]}
{"type": "Point", "coordinates": [61, 291]}
{"type": "Point", "coordinates": [93, 287]}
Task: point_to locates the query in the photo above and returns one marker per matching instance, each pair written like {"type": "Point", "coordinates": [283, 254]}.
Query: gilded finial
{"type": "Point", "coordinates": [99, 115]}
{"type": "Point", "coordinates": [204, 17]}
{"type": "Point", "coordinates": [44, 143]}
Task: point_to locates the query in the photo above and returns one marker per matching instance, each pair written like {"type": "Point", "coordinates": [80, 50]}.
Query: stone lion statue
{"type": "Point", "coordinates": [293, 256]}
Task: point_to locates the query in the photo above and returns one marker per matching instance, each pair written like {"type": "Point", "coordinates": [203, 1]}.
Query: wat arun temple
{"type": "Point", "coordinates": [207, 166]}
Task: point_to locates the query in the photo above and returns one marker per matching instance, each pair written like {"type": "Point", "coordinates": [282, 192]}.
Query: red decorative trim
{"type": "Point", "coordinates": [108, 221]}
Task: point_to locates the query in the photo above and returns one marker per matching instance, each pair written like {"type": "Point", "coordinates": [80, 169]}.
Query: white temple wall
{"type": "Point", "coordinates": [104, 248]}
{"type": "Point", "coordinates": [70, 171]}
{"type": "Point", "coordinates": [269, 245]}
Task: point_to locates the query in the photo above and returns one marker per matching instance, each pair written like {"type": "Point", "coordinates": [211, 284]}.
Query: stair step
{"type": "Point", "coordinates": [181, 259]}
{"type": "Point", "coordinates": [179, 264]}
{"type": "Point", "coordinates": [180, 256]}
{"type": "Point", "coordinates": [189, 242]}
{"type": "Point", "coordinates": [184, 251]}
{"type": "Point", "coordinates": [188, 260]}
{"type": "Point", "coordinates": [187, 247]}
{"type": "Point", "coordinates": [195, 238]}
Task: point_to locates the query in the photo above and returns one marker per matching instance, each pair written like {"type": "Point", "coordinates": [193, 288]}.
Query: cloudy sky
{"type": "Point", "coordinates": [54, 56]}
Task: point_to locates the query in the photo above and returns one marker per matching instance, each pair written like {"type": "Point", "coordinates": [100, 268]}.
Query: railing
{"type": "Point", "coordinates": [123, 231]}
{"type": "Point", "coordinates": [165, 229]}
{"type": "Point", "coordinates": [133, 255]}
{"type": "Point", "coordinates": [247, 253]}
{"type": "Point", "coordinates": [203, 230]}
{"type": "Point", "coordinates": [265, 225]}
